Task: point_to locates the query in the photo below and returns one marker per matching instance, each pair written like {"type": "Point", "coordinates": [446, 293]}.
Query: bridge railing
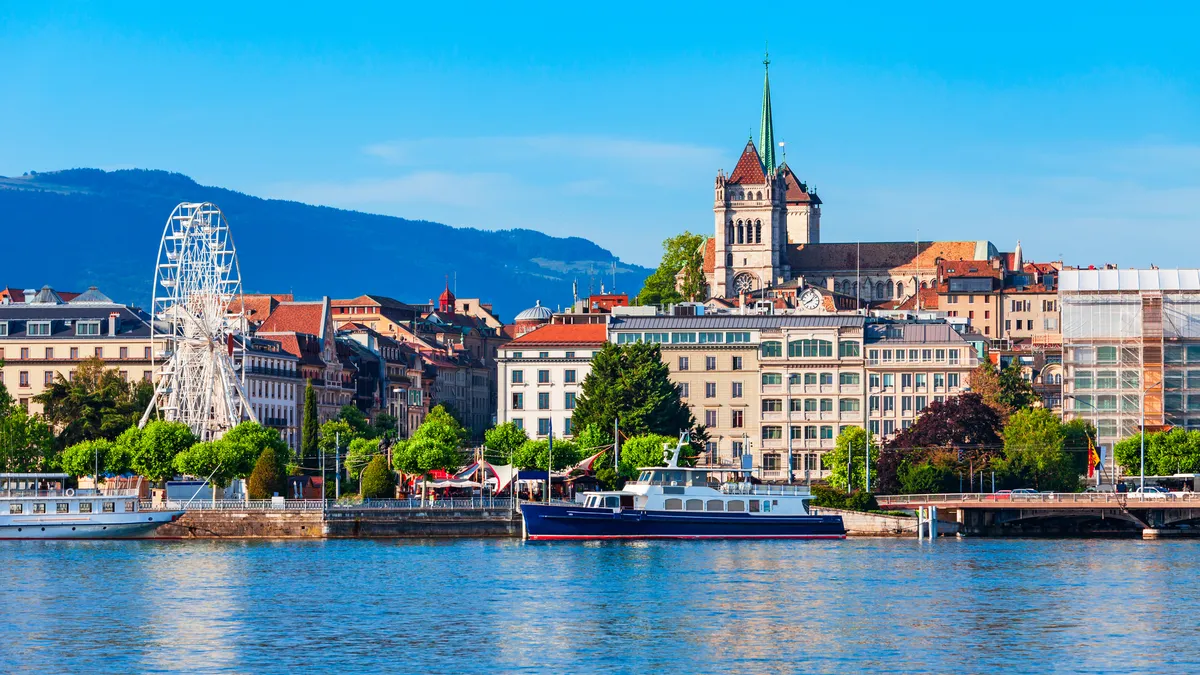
{"type": "Point", "coordinates": [1191, 499]}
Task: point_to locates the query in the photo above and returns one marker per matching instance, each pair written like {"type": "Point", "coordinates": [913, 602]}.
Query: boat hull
{"type": "Point", "coordinates": [564, 522]}
{"type": "Point", "coordinates": [134, 526]}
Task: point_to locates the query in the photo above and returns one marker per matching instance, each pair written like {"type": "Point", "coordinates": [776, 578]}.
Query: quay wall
{"type": "Point", "coordinates": [348, 523]}
{"type": "Point", "coordinates": [859, 524]}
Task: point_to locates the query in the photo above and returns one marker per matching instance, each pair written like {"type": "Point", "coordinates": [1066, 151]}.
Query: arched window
{"type": "Point", "coordinates": [758, 195]}
{"type": "Point", "coordinates": [854, 289]}
{"type": "Point", "coordinates": [924, 284]}
{"type": "Point", "coordinates": [879, 290]}
{"type": "Point", "coordinates": [893, 292]}
{"type": "Point", "coordinates": [758, 231]}
{"type": "Point", "coordinates": [729, 233]}
{"type": "Point", "coordinates": [741, 233]}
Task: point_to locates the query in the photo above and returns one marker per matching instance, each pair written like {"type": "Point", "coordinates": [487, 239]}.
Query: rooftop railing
{"type": "Point", "coordinates": [1046, 498]}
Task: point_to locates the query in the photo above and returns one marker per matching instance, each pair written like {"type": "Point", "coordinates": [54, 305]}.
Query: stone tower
{"type": "Point", "coordinates": [750, 212]}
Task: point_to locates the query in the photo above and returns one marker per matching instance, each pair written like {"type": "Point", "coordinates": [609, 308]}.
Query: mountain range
{"type": "Point", "coordinates": [86, 227]}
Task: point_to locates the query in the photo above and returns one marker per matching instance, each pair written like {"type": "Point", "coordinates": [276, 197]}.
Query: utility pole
{"type": "Point", "coordinates": [616, 443]}
{"type": "Point", "coordinates": [337, 467]}
{"type": "Point", "coordinates": [549, 459]}
{"type": "Point", "coordinates": [868, 464]}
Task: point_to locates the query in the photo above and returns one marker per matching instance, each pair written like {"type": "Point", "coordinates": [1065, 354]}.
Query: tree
{"type": "Point", "coordinates": [94, 403]}
{"type": "Point", "coordinates": [642, 451]}
{"type": "Point", "coordinates": [632, 382]}
{"type": "Point", "coordinates": [309, 430]}
{"type": "Point", "coordinates": [85, 457]}
{"type": "Point", "coordinates": [377, 480]}
{"type": "Point", "coordinates": [850, 445]}
{"type": "Point", "coordinates": [157, 446]}
{"type": "Point", "coordinates": [265, 480]}
{"type": "Point", "coordinates": [1167, 452]}
{"type": "Point", "coordinates": [1033, 452]}
{"type": "Point", "coordinates": [359, 454]}
{"type": "Point", "coordinates": [535, 454]}
{"type": "Point", "coordinates": [593, 437]}
{"type": "Point", "coordinates": [434, 445]}
{"type": "Point", "coordinates": [26, 442]}
{"type": "Point", "coordinates": [1006, 391]}
{"type": "Point", "coordinates": [218, 461]}
{"type": "Point", "coordinates": [357, 420]}
{"type": "Point", "coordinates": [963, 426]}
{"type": "Point", "coordinates": [681, 253]}
{"type": "Point", "coordinates": [504, 439]}
{"type": "Point", "coordinates": [255, 438]}
{"type": "Point", "coordinates": [335, 437]}
{"type": "Point", "coordinates": [384, 426]}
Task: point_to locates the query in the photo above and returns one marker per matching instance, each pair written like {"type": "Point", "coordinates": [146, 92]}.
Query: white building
{"type": "Point", "coordinates": [541, 374]}
{"type": "Point", "coordinates": [274, 387]}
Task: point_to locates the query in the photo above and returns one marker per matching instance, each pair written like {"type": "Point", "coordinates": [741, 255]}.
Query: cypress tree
{"type": "Point", "coordinates": [264, 480]}
{"type": "Point", "coordinates": [377, 480]}
{"type": "Point", "coordinates": [308, 439]}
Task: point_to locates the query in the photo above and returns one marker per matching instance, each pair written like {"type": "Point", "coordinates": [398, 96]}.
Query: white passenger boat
{"type": "Point", "coordinates": [40, 506]}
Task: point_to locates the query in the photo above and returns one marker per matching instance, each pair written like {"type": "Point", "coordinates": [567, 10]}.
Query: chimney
{"type": "Point", "coordinates": [113, 322]}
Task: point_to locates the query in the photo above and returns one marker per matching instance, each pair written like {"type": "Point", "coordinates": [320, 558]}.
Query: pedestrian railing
{"type": "Point", "coordinates": [234, 505]}
{"type": "Point", "coordinates": [329, 505]}
{"type": "Point", "coordinates": [416, 504]}
{"type": "Point", "coordinates": [1043, 498]}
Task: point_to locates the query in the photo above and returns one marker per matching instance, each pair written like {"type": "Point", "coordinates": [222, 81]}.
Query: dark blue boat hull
{"type": "Point", "coordinates": [562, 522]}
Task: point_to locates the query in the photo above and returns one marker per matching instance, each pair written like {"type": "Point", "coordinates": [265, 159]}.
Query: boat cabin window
{"type": "Point", "coordinates": [39, 508]}
{"type": "Point", "coordinates": [695, 505]}
{"type": "Point", "coordinates": [754, 506]}
{"type": "Point", "coordinates": [109, 507]}
{"type": "Point", "coordinates": [85, 507]}
{"type": "Point", "coordinates": [612, 501]}
{"type": "Point", "coordinates": [766, 506]}
{"type": "Point", "coordinates": [698, 478]}
{"type": "Point", "coordinates": [735, 505]}
{"type": "Point", "coordinates": [646, 477]}
{"type": "Point", "coordinates": [716, 505]}
{"type": "Point", "coordinates": [129, 505]}
{"type": "Point", "coordinates": [675, 477]}
{"type": "Point", "coordinates": [673, 504]}
{"type": "Point", "coordinates": [15, 508]}
{"type": "Point", "coordinates": [627, 501]}
{"type": "Point", "coordinates": [62, 507]}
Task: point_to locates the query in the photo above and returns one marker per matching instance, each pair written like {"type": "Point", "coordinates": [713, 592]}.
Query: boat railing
{"type": "Point", "coordinates": [764, 489]}
{"type": "Point", "coordinates": [69, 492]}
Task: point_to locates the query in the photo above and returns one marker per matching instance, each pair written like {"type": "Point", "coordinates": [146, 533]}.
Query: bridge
{"type": "Point", "coordinates": [1108, 513]}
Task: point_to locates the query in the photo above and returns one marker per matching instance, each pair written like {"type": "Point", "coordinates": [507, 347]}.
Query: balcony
{"type": "Point", "coordinates": [274, 422]}
{"type": "Point", "coordinates": [774, 416]}
{"type": "Point", "coordinates": [271, 372]}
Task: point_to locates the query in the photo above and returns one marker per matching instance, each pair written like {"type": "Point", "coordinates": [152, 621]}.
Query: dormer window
{"type": "Point", "coordinates": [3, 329]}
{"type": "Point", "coordinates": [37, 328]}
{"type": "Point", "coordinates": [87, 327]}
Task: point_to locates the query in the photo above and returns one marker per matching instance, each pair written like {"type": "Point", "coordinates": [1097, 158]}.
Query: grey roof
{"type": "Point", "coordinates": [535, 313]}
{"type": "Point", "coordinates": [130, 323]}
{"type": "Point", "coordinates": [1129, 280]}
{"type": "Point", "coordinates": [46, 296]}
{"type": "Point", "coordinates": [735, 321]}
{"type": "Point", "coordinates": [91, 295]}
{"type": "Point", "coordinates": [912, 332]}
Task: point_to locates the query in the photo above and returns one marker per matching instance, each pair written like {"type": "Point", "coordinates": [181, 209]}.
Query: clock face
{"type": "Point", "coordinates": [810, 299]}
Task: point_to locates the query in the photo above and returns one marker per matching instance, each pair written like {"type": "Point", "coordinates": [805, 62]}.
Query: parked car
{"type": "Point", "coordinates": [1025, 491]}
{"type": "Point", "coordinates": [1001, 494]}
{"type": "Point", "coordinates": [1151, 492]}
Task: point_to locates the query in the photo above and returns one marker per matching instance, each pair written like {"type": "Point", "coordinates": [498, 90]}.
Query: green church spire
{"type": "Point", "coordinates": [766, 138]}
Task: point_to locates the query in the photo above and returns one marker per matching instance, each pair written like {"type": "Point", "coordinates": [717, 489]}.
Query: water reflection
{"type": "Point", "coordinates": [472, 605]}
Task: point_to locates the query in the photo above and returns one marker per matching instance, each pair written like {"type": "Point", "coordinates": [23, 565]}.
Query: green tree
{"type": "Point", "coordinates": [642, 451]}
{"type": "Point", "coordinates": [265, 480]}
{"type": "Point", "coordinates": [681, 253]}
{"type": "Point", "coordinates": [218, 461]}
{"type": "Point", "coordinates": [850, 445]}
{"type": "Point", "coordinates": [157, 446]}
{"type": "Point", "coordinates": [1167, 452]}
{"type": "Point", "coordinates": [309, 431]}
{"type": "Point", "coordinates": [436, 444]}
{"type": "Point", "coordinates": [504, 439]}
{"type": "Point", "coordinates": [336, 436]}
{"type": "Point", "coordinates": [631, 382]}
{"type": "Point", "coordinates": [357, 420]}
{"type": "Point", "coordinates": [359, 454]}
{"type": "Point", "coordinates": [255, 438]}
{"type": "Point", "coordinates": [384, 426]}
{"type": "Point", "coordinates": [26, 442]}
{"type": "Point", "coordinates": [94, 403]}
{"type": "Point", "coordinates": [592, 438]}
{"type": "Point", "coordinates": [378, 482]}
{"type": "Point", "coordinates": [1005, 391]}
{"type": "Point", "coordinates": [85, 457]}
{"type": "Point", "coordinates": [535, 454]}
{"type": "Point", "coordinates": [1033, 451]}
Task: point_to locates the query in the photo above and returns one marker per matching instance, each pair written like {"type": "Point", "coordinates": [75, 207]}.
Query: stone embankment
{"type": "Point", "coordinates": [859, 524]}
{"type": "Point", "coordinates": [337, 523]}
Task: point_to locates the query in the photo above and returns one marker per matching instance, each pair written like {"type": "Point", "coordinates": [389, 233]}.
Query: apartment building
{"type": "Point", "coordinates": [541, 375]}
{"type": "Point", "coordinates": [1131, 348]}
{"type": "Point", "coordinates": [44, 334]}
{"type": "Point", "coordinates": [910, 365]}
{"type": "Point", "coordinates": [274, 386]}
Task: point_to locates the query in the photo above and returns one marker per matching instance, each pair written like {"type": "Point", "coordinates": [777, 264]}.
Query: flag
{"type": "Point", "coordinates": [1094, 459]}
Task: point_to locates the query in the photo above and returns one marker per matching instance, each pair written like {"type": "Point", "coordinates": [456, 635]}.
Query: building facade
{"type": "Point", "coordinates": [541, 376]}
{"type": "Point", "coordinates": [274, 386]}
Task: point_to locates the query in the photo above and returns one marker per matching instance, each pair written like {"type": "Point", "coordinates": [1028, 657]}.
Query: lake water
{"type": "Point", "coordinates": [359, 606]}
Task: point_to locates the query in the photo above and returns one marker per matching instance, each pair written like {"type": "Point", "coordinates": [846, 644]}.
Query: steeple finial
{"type": "Point", "coordinates": [766, 138]}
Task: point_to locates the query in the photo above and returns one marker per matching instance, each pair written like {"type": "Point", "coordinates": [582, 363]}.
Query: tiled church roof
{"type": "Point", "coordinates": [881, 255]}
{"type": "Point", "coordinates": [749, 169]}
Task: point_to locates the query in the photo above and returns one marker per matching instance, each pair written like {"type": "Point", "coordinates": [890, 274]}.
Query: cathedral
{"type": "Point", "coordinates": [767, 241]}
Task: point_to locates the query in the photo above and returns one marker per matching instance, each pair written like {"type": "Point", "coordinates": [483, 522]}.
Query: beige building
{"type": "Point", "coordinates": [44, 334]}
{"type": "Point", "coordinates": [541, 375]}
{"type": "Point", "coordinates": [910, 365]}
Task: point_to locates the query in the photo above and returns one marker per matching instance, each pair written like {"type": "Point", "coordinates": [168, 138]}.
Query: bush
{"type": "Point", "coordinates": [377, 480]}
{"type": "Point", "coordinates": [924, 478]}
{"type": "Point", "coordinates": [265, 480]}
{"type": "Point", "coordinates": [833, 498]}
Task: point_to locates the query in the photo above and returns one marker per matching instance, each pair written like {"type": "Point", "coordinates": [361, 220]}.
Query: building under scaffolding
{"type": "Point", "coordinates": [1131, 342]}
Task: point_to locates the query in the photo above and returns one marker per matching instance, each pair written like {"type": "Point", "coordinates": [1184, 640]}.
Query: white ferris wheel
{"type": "Point", "coordinates": [195, 315]}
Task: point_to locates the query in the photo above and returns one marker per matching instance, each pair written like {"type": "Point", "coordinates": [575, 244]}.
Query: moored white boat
{"type": "Point", "coordinates": [39, 506]}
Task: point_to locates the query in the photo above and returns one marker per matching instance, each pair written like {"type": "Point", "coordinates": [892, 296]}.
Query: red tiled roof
{"type": "Point", "coordinates": [257, 307]}
{"type": "Point", "coordinates": [710, 255]}
{"type": "Point", "coordinates": [749, 167]}
{"type": "Point", "coordinates": [879, 255]}
{"type": "Point", "coordinates": [565, 334]}
{"type": "Point", "coordinates": [300, 317]}
{"type": "Point", "coordinates": [968, 268]}
{"type": "Point", "coordinates": [301, 346]}
{"type": "Point", "coordinates": [796, 194]}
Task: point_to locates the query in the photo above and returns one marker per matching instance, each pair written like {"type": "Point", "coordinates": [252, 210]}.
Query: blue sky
{"type": "Point", "coordinates": [1073, 128]}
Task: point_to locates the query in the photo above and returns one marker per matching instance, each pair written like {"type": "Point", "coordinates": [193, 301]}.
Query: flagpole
{"type": "Point", "coordinates": [549, 458]}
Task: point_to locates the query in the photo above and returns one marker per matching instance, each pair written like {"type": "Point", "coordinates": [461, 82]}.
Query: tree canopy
{"type": "Point", "coordinates": [961, 430]}
{"type": "Point", "coordinates": [1167, 453]}
{"type": "Point", "coordinates": [1006, 391]}
{"type": "Point", "coordinates": [645, 450]}
{"type": "Point", "coordinates": [850, 445]}
{"type": "Point", "coordinates": [434, 445]}
{"type": "Point", "coordinates": [359, 454]}
{"type": "Point", "coordinates": [83, 458]}
{"type": "Point", "coordinates": [1034, 454]}
{"type": "Point", "coordinates": [309, 431]}
{"type": "Point", "coordinates": [154, 448]}
{"type": "Point", "coordinates": [94, 403]}
{"type": "Point", "coordinates": [631, 382]}
{"type": "Point", "coordinates": [377, 482]}
{"type": "Point", "coordinates": [26, 442]}
{"type": "Point", "coordinates": [503, 440]}
{"type": "Point", "coordinates": [535, 454]}
{"type": "Point", "coordinates": [265, 479]}
{"type": "Point", "coordinates": [682, 252]}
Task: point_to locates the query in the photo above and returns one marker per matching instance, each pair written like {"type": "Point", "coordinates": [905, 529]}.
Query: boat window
{"type": "Point", "coordinates": [645, 477]}
{"type": "Point", "coordinates": [699, 477]}
{"type": "Point", "coordinates": [673, 504]}
{"type": "Point", "coordinates": [109, 507]}
{"type": "Point", "coordinates": [716, 505]}
{"type": "Point", "coordinates": [129, 505]}
{"type": "Point", "coordinates": [62, 507]}
{"type": "Point", "coordinates": [754, 506]}
{"type": "Point", "coordinates": [15, 508]}
{"type": "Point", "coordinates": [677, 477]}
{"type": "Point", "coordinates": [85, 507]}
{"type": "Point", "coordinates": [735, 505]}
{"type": "Point", "coordinates": [612, 501]}
{"type": "Point", "coordinates": [766, 506]}
{"type": "Point", "coordinates": [627, 501]}
{"type": "Point", "coordinates": [657, 477]}
{"type": "Point", "coordinates": [695, 505]}
{"type": "Point", "coordinates": [39, 508]}
{"type": "Point", "coordinates": [804, 503]}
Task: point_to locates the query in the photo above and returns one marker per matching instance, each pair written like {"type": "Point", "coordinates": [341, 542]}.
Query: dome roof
{"type": "Point", "coordinates": [535, 313]}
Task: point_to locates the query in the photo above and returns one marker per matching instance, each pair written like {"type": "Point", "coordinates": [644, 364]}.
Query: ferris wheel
{"type": "Point", "coordinates": [195, 315]}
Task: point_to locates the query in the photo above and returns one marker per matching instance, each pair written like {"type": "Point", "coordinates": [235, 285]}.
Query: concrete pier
{"type": "Point", "coordinates": [341, 523]}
